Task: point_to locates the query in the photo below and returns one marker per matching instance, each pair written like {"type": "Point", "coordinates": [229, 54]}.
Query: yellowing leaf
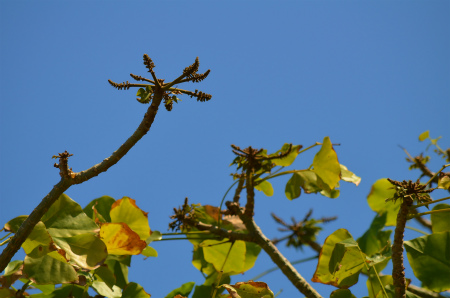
{"type": "Point", "coordinates": [444, 182]}
{"type": "Point", "coordinates": [216, 251]}
{"type": "Point", "coordinates": [121, 240]}
{"type": "Point", "coordinates": [326, 164]}
{"type": "Point", "coordinates": [425, 135]}
{"type": "Point", "coordinates": [126, 211]}
{"type": "Point", "coordinates": [381, 190]}
{"type": "Point", "coordinates": [340, 260]}
{"type": "Point", "coordinates": [348, 176]}
{"type": "Point", "coordinates": [265, 187]}
{"type": "Point", "coordinates": [250, 289]}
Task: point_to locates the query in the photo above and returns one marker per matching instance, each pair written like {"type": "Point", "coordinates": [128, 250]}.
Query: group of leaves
{"type": "Point", "coordinates": [82, 249]}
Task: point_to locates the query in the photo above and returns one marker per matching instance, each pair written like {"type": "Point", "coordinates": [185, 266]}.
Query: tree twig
{"type": "Point", "coordinates": [69, 178]}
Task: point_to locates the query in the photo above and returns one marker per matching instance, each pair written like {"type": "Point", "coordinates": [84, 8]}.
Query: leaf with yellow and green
{"type": "Point", "coordinates": [289, 159]}
{"type": "Point", "coordinates": [184, 290]}
{"type": "Point", "coordinates": [43, 266]}
{"type": "Point", "coordinates": [65, 218]}
{"type": "Point", "coordinates": [444, 182]}
{"type": "Point", "coordinates": [381, 190]}
{"type": "Point", "coordinates": [307, 180]}
{"type": "Point", "coordinates": [440, 222]}
{"type": "Point", "coordinates": [340, 260]}
{"type": "Point", "coordinates": [425, 135]}
{"type": "Point", "coordinates": [249, 289]}
{"type": "Point", "coordinates": [326, 164]}
{"type": "Point", "coordinates": [264, 186]}
{"type": "Point", "coordinates": [149, 252]}
{"type": "Point", "coordinates": [85, 250]}
{"type": "Point", "coordinates": [429, 257]}
{"type": "Point", "coordinates": [126, 211]}
{"type": "Point", "coordinates": [38, 236]}
{"type": "Point", "coordinates": [224, 256]}
{"type": "Point", "coordinates": [98, 209]}
{"type": "Point", "coordinates": [121, 240]}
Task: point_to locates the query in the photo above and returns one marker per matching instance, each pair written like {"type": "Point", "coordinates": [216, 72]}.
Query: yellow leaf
{"type": "Point", "coordinates": [126, 211]}
{"type": "Point", "coordinates": [121, 240]}
{"type": "Point", "coordinates": [326, 164]}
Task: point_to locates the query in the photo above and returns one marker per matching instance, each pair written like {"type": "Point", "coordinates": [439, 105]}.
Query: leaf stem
{"type": "Point", "coordinates": [428, 212]}
{"type": "Point", "coordinates": [221, 203]}
{"type": "Point", "coordinates": [437, 173]}
{"type": "Point", "coordinates": [417, 230]}
{"type": "Point", "coordinates": [7, 235]}
{"type": "Point", "coordinates": [429, 203]}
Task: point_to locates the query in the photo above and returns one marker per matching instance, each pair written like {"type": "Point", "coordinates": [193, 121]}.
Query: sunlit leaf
{"type": "Point", "coordinates": [266, 187]}
{"type": "Point", "coordinates": [425, 135]}
{"type": "Point", "coordinates": [133, 290]}
{"type": "Point", "coordinates": [374, 239]}
{"type": "Point", "coordinates": [342, 293]}
{"type": "Point", "coordinates": [218, 253]}
{"type": "Point", "coordinates": [250, 289]}
{"type": "Point", "coordinates": [289, 159]}
{"type": "Point", "coordinates": [149, 252]}
{"type": "Point", "coordinates": [326, 164]}
{"type": "Point", "coordinates": [309, 181]}
{"type": "Point", "coordinates": [126, 211]}
{"type": "Point", "coordinates": [348, 176]}
{"type": "Point", "coordinates": [85, 250]}
{"type": "Point", "coordinates": [13, 267]}
{"type": "Point", "coordinates": [184, 290]}
{"type": "Point", "coordinates": [429, 257]}
{"type": "Point", "coordinates": [121, 240]}
{"type": "Point", "coordinates": [381, 190]}
{"type": "Point", "coordinates": [45, 267]}
{"type": "Point", "coordinates": [99, 208]}
{"type": "Point", "coordinates": [340, 261]}
{"type": "Point", "coordinates": [65, 218]}
{"type": "Point", "coordinates": [440, 222]}
{"type": "Point", "coordinates": [103, 289]}
{"type": "Point", "coordinates": [444, 182]}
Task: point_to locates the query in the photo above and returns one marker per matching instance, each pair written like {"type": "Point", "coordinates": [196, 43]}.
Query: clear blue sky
{"type": "Point", "coordinates": [370, 75]}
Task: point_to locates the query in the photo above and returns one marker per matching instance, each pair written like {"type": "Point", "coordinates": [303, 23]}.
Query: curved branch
{"type": "Point", "coordinates": [77, 178]}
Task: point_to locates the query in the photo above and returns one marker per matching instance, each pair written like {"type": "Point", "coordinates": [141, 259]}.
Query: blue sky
{"type": "Point", "coordinates": [370, 75]}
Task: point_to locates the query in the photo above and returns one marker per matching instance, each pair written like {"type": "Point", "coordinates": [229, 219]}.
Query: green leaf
{"type": "Point", "coordinates": [340, 261]}
{"type": "Point", "coordinates": [99, 208]}
{"type": "Point", "coordinates": [348, 176]}
{"type": "Point", "coordinates": [144, 94]}
{"type": "Point", "coordinates": [444, 182]}
{"type": "Point", "coordinates": [440, 222]}
{"type": "Point", "coordinates": [120, 271]}
{"type": "Point", "coordinates": [14, 224]}
{"type": "Point", "coordinates": [381, 190]}
{"type": "Point", "coordinates": [374, 287]}
{"type": "Point", "coordinates": [266, 187]}
{"type": "Point", "coordinates": [252, 251]}
{"type": "Point", "coordinates": [13, 267]}
{"type": "Point", "coordinates": [216, 252]}
{"type": "Point", "coordinates": [65, 218]}
{"type": "Point", "coordinates": [85, 250]}
{"type": "Point", "coordinates": [326, 164]}
{"type": "Point", "coordinates": [104, 274]}
{"type": "Point", "coordinates": [293, 187]}
{"type": "Point", "coordinates": [149, 252]}
{"type": "Point", "coordinates": [38, 236]}
{"type": "Point", "coordinates": [103, 289]}
{"type": "Point", "coordinates": [429, 257]}
{"type": "Point", "coordinates": [64, 291]}
{"type": "Point", "coordinates": [289, 159]}
{"type": "Point", "coordinates": [342, 293]}
{"type": "Point", "coordinates": [45, 267]}
{"type": "Point", "coordinates": [250, 289]}
{"type": "Point", "coordinates": [425, 135]}
{"type": "Point", "coordinates": [184, 290]}
{"type": "Point", "coordinates": [133, 290]}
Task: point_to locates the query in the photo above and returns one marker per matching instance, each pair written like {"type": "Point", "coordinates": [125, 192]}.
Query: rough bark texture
{"type": "Point", "coordinates": [398, 270]}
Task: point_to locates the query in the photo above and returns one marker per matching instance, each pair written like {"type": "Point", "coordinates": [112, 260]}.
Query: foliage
{"type": "Point", "coordinates": [73, 251]}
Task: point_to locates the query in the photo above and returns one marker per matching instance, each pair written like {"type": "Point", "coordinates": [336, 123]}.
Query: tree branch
{"type": "Point", "coordinates": [68, 180]}
{"type": "Point", "coordinates": [286, 267]}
